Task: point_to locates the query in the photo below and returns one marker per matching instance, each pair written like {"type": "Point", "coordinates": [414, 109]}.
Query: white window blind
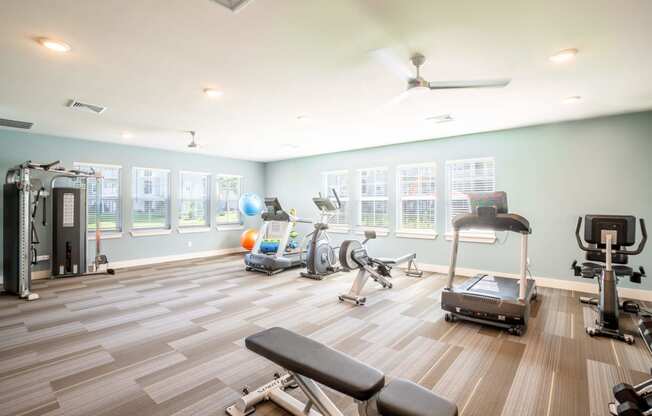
{"type": "Point", "coordinates": [229, 189]}
{"type": "Point", "coordinates": [340, 182]}
{"type": "Point", "coordinates": [194, 199]}
{"type": "Point", "coordinates": [417, 198]}
{"type": "Point", "coordinates": [373, 198]}
{"type": "Point", "coordinates": [150, 198]}
{"type": "Point", "coordinates": [109, 209]}
{"type": "Point", "coordinates": [467, 176]}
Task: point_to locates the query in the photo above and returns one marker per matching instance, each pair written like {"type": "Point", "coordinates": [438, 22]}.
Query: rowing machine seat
{"type": "Point", "coordinates": [301, 355]}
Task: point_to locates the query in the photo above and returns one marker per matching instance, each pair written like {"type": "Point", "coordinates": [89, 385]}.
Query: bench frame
{"type": "Point", "coordinates": [274, 391]}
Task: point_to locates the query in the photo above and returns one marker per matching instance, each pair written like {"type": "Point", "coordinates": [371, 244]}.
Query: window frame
{"type": "Point", "coordinates": [120, 200]}
{"type": "Point", "coordinates": [209, 211]}
{"type": "Point", "coordinates": [145, 231]}
{"type": "Point", "coordinates": [476, 236]}
{"type": "Point", "coordinates": [383, 230]}
{"type": "Point", "coordinates": [415, 233]}
{"type": "Point", "coordinates": [332, 226]}
{"type": "Point", "coordinates": [235, 225]}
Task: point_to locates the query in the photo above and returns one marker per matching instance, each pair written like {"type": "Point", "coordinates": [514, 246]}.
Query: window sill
{"type": "Point", "coordinates": [191, 230]}
{"type": "Point", "coordinates": [473, 238]}
{"type": "Point", "coordinates": [105, 235]}
{"type": "Point", "coordinates": [149, 233]}
{"type": "Point", "coordinates": [380, 232]}
{"type": "Point", "coordinates": [340, 229]}
{"type": "Point", "coordinates": [416, 234]}
{"type": "Point", "coordinates": [230, 227]}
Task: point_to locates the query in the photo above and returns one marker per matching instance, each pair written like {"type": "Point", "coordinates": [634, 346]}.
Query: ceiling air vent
{"type": "Point", "coordinates": [443, 118]}
{"type": "Point", "coordinates": [233, 5]}
{"type": "Point", "coordinates": [15, 124]}
{"type": "Point", "coordinates": [91, 108]}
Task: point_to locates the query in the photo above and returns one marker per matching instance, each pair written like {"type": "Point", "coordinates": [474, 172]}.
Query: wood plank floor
{"type": "Point", "coordinates": [168, 340]}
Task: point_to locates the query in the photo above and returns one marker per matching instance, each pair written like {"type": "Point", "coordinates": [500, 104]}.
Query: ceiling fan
{"type": "Point", "coordinates": [415, 82]}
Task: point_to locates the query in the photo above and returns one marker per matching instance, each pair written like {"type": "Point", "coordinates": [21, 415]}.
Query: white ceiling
{"type": "Point", "coordinates": [149, 60]}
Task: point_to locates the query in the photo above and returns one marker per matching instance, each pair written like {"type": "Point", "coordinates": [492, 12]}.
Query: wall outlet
{"type": "Point", "coordinates": [189, 243]}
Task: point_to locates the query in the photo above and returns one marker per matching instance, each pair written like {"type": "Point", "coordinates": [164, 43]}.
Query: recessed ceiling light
{"type": "Point", "coordinates": [127, 135]}
{"type": "Point", "coordinates": [290, 146]}
{"type": "Point", "coordinates": [442, 118]}
{"type": "Point", "coordinates": [564, 55]}
{"type": "Point", "coordinates": [572, 99]}
{"type": "Point", "coordinates": [213, 93]}
{"type": "Point", "coordinates": [54, 45]}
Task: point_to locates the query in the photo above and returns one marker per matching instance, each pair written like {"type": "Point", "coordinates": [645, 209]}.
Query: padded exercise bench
{"type": "Point", "coordinates": [309, 362]}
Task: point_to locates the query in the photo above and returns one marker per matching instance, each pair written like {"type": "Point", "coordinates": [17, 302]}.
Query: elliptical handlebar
{"type": "Point", "coordinates": [579, 239]}
{"type": "Point", "coordinates": [639, 249]}
{"type": "Point", "coordinates": [337, 198]}
{"type": "Point", "coordinates": [641, 244]}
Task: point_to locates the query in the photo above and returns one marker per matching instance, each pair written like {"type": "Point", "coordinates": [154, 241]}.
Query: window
{"type": "Point", "coordinates": [229, 189]}
{"type": "Point", "coordinates": [339, 181]}
{"type": "Point", "coordinates": [416, 198]}
{"type": "Point", "coordinates": [467, 176]}
{"type": "Point", "coordinates": [109, 197]}
{"type": "Point", "coordinates": [194, 199]}
{"type": "Point", "coordinates": [373, 198]}
{"type": "Point", "coordinates": [150, 190]}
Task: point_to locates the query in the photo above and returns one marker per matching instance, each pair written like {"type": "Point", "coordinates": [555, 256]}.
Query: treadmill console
{"type": "Point", "coordinates": [324, 204]}
{"type": "Point", "coordinates": [497, 200]}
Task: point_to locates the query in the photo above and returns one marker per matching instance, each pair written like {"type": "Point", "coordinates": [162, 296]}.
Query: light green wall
{"type": "Point", "coordinates": [17, 147]}
{"type": "Point", "coordinates": [552, 174]}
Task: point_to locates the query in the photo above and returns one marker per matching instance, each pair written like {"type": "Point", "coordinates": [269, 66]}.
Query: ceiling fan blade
{"type": "Point", "coordinates": [388, 105]}
{"type": "Point", "coordinates": [397, 99]}
{"type": "Point", "coordinates": [482, 83]}
{"type": "Point", "coordinates": [393, 63]}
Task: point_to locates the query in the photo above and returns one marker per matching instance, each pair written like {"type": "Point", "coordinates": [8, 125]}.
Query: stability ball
{"type": "Point", "coordinates": [250, 204]}
{"type": "Point", "coordinates": [248, 238]}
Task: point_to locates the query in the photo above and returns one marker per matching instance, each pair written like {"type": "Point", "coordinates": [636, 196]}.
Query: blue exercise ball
{"type": "Point", "coordinates": [250, 204]}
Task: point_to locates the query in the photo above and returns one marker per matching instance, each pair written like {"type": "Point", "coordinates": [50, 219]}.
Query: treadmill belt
{"type": "Point", "coordinates": [495, 287]}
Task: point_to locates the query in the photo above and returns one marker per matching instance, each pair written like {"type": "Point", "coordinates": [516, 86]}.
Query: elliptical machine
{"type": "Point", "coordinates": [606, 236]}
{"type": "Point", "coordinates": [321, 258]}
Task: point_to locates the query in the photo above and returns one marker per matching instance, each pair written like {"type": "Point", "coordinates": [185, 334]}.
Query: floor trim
{"type": "Point", "coordinates": [45, 274]}
{"type": "Point", "coordinates": [551, 282]}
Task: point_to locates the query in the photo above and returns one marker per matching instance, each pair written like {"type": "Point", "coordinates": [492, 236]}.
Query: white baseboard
{"type": "Point", "coordinates": [45, 274]}
{"type": "Point", "coordinates": [176, 257]}
{"type": "Point", "coordinates": [551, 282]}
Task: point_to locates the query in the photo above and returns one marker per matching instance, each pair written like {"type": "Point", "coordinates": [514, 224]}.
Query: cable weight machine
{"type": "Point", "coordinates": [27, 188]}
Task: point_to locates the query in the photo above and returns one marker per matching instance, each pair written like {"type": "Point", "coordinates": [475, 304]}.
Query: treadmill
{"type": "Point", "coordinates": [278, 226]}
{"type": "Point", "coordinates": [492, 300]}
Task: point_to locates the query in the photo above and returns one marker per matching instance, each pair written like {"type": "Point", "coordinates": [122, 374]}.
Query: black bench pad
{"type": "Point", "coordinates": [314, 360]}
{"type": "Point", "coordinates": [404, 398]}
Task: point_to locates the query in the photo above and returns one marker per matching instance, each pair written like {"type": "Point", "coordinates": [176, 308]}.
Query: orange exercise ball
{"type": "Point", "coordinates": [248, 238]}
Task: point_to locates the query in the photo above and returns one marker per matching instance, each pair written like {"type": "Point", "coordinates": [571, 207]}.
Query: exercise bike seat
{"type": "Point", "coordinates": [405, 398]}
{"type": "Point", "coordinates": [618, 269]}
{"type": "Point", "coordinates": [303, 356]}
